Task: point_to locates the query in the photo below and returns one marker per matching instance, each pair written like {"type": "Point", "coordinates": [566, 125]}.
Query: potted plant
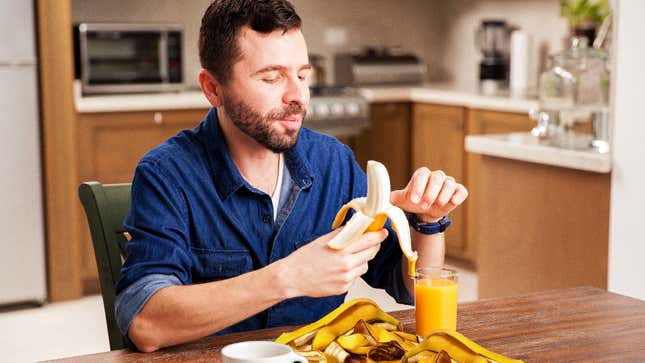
{"type": "Point", "coordinates": [584, 16]}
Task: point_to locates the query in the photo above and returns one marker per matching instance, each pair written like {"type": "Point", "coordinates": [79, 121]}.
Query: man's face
{"type": "Point", "coordinates": [268, 93]}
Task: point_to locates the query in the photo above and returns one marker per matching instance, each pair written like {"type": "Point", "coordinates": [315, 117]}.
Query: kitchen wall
{"type": "Point", "coordinates": [441, 32]}
{"type": "Point", "coordinates": [626, 247]}
{"type": "Point", "coordinates": [329, 26]}
{"type": "Point", "coordinates": [459, 20]}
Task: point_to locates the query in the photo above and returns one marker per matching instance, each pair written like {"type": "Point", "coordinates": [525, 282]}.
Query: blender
{"type": "Point", "coordinates": [492, 39]}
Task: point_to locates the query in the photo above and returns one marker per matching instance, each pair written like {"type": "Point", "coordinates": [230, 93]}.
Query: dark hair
{"type": "Point", "coordinates": [221, 23]}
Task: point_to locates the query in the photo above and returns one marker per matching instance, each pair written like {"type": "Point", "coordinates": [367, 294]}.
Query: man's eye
{"type": "Point", "coordinates": [271, 78]}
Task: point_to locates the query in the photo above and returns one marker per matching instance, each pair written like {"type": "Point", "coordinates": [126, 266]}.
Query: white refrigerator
{"type": "Point", "coordinates": [22, 242]}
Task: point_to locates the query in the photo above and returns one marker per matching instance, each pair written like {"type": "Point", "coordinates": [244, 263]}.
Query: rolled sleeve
{"type": "Point", "coordinates": [157, 223]}
{"type": "Point", "coordinates": [132, 299]}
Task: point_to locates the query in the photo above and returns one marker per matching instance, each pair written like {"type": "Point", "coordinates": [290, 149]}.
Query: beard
{"type": "Point", "coordinates": [259, 126]}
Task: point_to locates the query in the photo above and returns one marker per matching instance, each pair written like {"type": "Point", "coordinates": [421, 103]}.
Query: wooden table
{"type": "Point", "coordinates": [579, 324]}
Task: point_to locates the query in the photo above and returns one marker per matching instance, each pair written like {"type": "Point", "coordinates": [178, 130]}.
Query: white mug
{"type": "Point", "coordinates": [260, 352]}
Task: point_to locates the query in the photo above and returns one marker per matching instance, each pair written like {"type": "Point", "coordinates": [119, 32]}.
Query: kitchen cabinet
{"type": "Point", "coordinates": [540, 227]}
{"type": "Point", "coordinates": [389, 140]}
{"type": "Point", "coordinates": [480, 122]}
{"type": "Point", "coordinates": [437, 139]}
{"type": "Point", "coordinates": [110, 146]}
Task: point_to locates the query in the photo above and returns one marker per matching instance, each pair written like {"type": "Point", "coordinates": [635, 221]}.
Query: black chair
{"type": "Point", "coordinates": [106, 206]}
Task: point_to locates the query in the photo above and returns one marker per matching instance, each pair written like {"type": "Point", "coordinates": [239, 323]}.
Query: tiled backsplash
{"type": "Point", "coordinates": [441, 32]}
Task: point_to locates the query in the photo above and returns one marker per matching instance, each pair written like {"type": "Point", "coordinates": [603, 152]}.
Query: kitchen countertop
{"type": "Point", "coordinates": [141, 102]}
{"type": "Point", "coordinates": [448, 94]}
{"type": "Point", "coordinates": [525, 147]}
{"type": "Point", "coordinates": [431, 93]}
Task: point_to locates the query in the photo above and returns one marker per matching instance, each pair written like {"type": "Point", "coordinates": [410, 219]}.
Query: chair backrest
{"type": "Point", "coordinates": [106, 206]}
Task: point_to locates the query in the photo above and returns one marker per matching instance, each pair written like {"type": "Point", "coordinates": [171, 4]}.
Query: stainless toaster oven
{"type": "Point", "coordinates": [378, 67]}
{"type": "Point", "coordinates": [125, 57]}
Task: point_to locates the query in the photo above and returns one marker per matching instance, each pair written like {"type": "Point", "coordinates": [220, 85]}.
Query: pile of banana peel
{"type": "Point", "coordinates": [359, 331]}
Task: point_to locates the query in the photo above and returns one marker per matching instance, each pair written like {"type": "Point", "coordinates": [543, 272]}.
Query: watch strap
{"type": "Point", "coordinates": [429, 228]}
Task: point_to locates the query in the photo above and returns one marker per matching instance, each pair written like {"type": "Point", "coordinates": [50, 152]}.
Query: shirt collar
{"type": "Point", "coordinates": [227, 177]}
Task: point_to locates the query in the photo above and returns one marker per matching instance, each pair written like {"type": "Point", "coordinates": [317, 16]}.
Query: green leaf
{"type": "Point", "coordinates": [578, 11]}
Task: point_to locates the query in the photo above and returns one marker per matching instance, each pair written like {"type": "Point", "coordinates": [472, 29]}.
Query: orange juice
{"type": "Point", "coordinates": [435, 304]}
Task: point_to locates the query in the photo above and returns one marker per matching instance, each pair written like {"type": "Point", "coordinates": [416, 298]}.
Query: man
{"type": "Point", "coordinates": [230, 221]}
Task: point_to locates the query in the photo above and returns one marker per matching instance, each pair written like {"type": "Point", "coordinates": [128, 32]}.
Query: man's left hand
{"type": "Point", "coordinates": [430, 195]}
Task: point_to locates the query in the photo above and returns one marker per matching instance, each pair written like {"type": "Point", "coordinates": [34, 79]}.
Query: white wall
{"type": "Point", "coordinates": [626, 235]}
{"type": "Point", "coordinates": [460, 18]}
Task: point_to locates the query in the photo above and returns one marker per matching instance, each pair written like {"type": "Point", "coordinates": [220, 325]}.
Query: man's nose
{"type": "Point", "coordinates": [296, 91]}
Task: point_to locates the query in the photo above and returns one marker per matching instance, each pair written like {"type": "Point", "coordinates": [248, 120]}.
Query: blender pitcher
{"type": "Point", "coordinates": [493, 39]}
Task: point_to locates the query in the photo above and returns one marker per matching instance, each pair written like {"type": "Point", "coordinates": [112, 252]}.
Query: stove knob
{"type": "Point", "coordinates": [322, 110]}
{"type": "Point", "coordinates": [337, 109]}
{"type": "Point", "coordinates": [353, 109]}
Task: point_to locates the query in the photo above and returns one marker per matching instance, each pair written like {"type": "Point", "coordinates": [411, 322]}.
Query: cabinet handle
{"type": "Point", "coordinates": [158, 118]}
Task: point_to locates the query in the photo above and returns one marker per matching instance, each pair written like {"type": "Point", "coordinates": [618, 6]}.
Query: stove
{"type": "Point", "coordinates": [337, 111]}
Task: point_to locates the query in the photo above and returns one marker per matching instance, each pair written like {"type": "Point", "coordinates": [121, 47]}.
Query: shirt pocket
{"type": "Point", "coordinates": [213, 265]}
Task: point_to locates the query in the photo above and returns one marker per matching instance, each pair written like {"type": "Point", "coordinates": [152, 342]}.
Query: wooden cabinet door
{"type": "Point", "coordinates": [485, 122]}
{"type": "Point", "coordinates": [389, 140]}
{"type": "Point", "coordinates": [113, 142]}
{"type": "Point", "coordinates": [437, 136]}
{"type": "Point", "coordinates": [496, 122]}
{"type": "Point", "coordinates": [111, 145]}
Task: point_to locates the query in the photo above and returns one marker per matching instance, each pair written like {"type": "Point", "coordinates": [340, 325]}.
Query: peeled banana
{"type": "Point", "coordinates": [371, 213]}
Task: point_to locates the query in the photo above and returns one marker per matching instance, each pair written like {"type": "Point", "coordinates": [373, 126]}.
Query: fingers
{"type": "Point", "coordinates": [417, 185]}
{"type": "Point", "coordinates": [324, 239]}
{"type": "Point", "coordinates": [364, 256]}
{"type": "Point", "coordinates": [366, 241]}
{"type": "Point", "coordinates": [461, 193]}
{"type": "Point", "coordinates": [430, 194]}
{"type": "Point", "coordinates": [447, 190]}
{"type": "Point", "coordinates": [457, 197]}
{"type": "Point", "coordinates": [433, 188]}
{"type": "Point", "coordinates": [357, 263]}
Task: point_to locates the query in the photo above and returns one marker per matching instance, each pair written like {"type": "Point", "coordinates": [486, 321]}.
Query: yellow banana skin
{"type": "Point", "coordinates": [459, 347]}
{"type": "Point", "coordinates": [360, 327]}
{"type": "Point", "coordinates": [343, 317]}
{"type": "Point", "coordinates": [372, 212]}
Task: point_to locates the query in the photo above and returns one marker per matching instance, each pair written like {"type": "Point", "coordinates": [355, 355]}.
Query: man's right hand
{"type": "Point", "coordinates": [316, 270]}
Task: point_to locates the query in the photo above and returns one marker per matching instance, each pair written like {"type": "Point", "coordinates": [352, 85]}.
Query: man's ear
{"type": "Point", "coordinates": [211, 88]}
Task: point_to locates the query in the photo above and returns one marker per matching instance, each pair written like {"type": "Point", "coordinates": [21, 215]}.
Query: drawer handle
{"type": "Point", "coordinates": [158, 118]}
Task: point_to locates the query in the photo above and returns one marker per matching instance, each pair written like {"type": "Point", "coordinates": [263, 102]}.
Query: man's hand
{"type": "Point", "coordinates": [316, 270]}
{"type": "Point", "coordinates": [429, 195]}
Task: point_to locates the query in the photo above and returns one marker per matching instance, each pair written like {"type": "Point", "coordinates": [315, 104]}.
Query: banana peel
{"type": "Point", "coordinates": [458, 347]}
{"type": "Point", "coordinates": [359, 331]}
{"type": "Point", "coordinates": [337, 322]}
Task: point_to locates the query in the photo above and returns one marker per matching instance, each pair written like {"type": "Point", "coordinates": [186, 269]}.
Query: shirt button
{"type": "Point", "coordinates": [266, 218]}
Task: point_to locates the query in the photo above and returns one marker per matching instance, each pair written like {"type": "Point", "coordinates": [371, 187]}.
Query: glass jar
{"type": "Point", "coordinates": [574, 91]}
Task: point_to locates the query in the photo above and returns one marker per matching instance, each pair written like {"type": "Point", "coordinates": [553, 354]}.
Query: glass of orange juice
{"type": "Point", "coordinates": [435, 299]}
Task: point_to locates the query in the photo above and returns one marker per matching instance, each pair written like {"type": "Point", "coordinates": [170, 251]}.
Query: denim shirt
{"type": "Point", "coordinates": [194, 219]}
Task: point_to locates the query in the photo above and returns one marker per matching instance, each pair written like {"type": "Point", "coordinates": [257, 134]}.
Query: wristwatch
{"type": "Point", "coordinates": [429, 228]}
